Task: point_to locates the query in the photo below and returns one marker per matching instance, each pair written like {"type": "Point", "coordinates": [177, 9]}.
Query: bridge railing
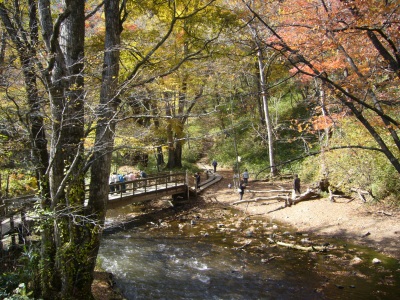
{"type": "Point", "coordinates": [150, 184]}
{"type": "Point", "coordinates": [13, 220]}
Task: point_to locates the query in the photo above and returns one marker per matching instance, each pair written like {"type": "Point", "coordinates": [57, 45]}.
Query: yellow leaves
{"type": "Point", "coordinates": [299, 128]}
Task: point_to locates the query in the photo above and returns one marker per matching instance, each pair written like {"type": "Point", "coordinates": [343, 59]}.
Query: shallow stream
{"type": "Point", "coordinates": [219, 253]}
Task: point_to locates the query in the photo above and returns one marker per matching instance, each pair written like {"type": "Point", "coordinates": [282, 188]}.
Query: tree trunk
{"type": "Point", "coordinates": [66, 272]}
{"type": "Point", "coordinates": [71, 239]}
{"type": "Point", "coordinates": [266, 113]}
{"type": "Point", "coordinates": [101, 163]}
{"type": "Point", "coordinates": [40, 155]}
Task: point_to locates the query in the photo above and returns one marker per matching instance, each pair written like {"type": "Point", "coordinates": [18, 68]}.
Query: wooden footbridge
{"type": "Point", "coordinates": [153, 187]}
{"type": "Point", "coordinates": [13, 212]}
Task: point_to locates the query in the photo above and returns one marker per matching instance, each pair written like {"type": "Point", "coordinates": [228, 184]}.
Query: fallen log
{"type": "Point", "coordinates": [384, 213]}
{"type": "Point", "coordinates": [309, 194]}
{"type": "Point", "coordinates": [361, 193]}
{"type": "Point", "coordinates": [272, 191]}
{"type": "Point", "coordinates": [302, 248]}
{"type": "Point", "coordinates": [260, 199]}
{"type": "Point", "coordinates": [243, 246]}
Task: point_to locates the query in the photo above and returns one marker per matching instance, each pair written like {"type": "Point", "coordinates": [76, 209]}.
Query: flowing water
{"type": "Point", "coordinates": [223, 254]}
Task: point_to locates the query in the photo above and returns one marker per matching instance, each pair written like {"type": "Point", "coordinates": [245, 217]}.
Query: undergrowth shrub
{"type": "Point", "coordinates": [361, 168]}
{"type": "Point", "coordinates": [20, 183]}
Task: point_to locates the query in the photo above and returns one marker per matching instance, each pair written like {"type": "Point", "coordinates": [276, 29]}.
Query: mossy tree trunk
{"type": "Point", "coordinates": [70, 232]}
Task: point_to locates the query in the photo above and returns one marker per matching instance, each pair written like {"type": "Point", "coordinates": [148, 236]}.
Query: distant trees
{"type": "Point", "coordinates": [176, 71]}
{"type": "Point", "coordinates": [25, 47]}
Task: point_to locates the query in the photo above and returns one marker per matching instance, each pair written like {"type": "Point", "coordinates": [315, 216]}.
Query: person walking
{"type": "Point", "coordinates": [245, 177]}
{"type": "Point", "coordinates": [242, 187]}
{"type": "Point", "coordinates": [215, 164]}
{"type": "Point", "coordinates": [197, 180]}
{"type": "Point", "coordinates": [296, 184]}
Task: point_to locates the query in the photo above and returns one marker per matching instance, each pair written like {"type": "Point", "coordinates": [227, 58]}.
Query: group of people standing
{"type": "Point", "coordinates": [240, 182]}
{"type": "Point", "coordinates": [118, 181]}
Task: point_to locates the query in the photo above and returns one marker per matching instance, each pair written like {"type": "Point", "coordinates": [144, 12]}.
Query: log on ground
{"type": "Point", "coordinates": [302, 248]}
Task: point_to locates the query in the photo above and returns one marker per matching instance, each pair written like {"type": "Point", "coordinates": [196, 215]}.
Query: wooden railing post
{"type": "Point", "coordinates": [22, 228]}
{"type": "Point", "coordinates": [7, 185]}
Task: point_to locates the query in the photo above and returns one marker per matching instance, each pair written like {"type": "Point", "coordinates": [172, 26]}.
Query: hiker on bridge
{"type": "Point", "coordinates": [130, 177]}
{"type": "Point", "coordinates": [143, 175]}
{"type": "Point", "coordinates": [122, 187]}
{"type": "Point", "coordinates": [114, 179]}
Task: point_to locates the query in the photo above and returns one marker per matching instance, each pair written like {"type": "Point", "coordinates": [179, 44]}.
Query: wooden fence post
{"type": "Point", "coordinates": [22, 228]}
{"type": "Point", "coordinates": [7, 185]}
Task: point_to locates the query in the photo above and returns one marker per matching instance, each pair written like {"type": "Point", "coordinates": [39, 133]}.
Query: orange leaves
{"type": "Point", "coordinates": [131, 26]}
{"type": "Point", "coordinates": [317, 123]}
{"type": "Point", "coordinates": [332, 36]}
{"type": "Point", "coordinates": [324, 122]}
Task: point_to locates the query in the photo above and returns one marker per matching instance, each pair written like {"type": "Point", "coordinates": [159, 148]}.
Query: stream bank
{"type": "Point", "coordinates": [371, 225]}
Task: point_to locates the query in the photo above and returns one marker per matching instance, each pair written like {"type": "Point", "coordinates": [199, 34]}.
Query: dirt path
{"type": "Point", "coordinates": [374, 226]}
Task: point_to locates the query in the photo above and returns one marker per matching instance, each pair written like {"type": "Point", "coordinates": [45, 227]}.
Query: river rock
{"type": "Point", "coordinates": [376, 261]}
{"type": "Point", "coordinates": [249, 233]}
{"type": "Point", "coordinates": [356, 260]}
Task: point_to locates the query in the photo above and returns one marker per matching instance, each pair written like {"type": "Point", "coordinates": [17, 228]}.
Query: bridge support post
{"type": "Point", "coordinates": [22, 228]}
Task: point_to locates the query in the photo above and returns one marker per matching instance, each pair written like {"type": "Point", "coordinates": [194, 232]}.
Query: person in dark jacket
{"type": "Point", "coordinates": [296, 184]}
{"type": "Point", "coordinates": [215, 164]}
{"type": "Point", "coordinates": [242, 187]}
{"type": "Point", "coordinates": [197, 180]}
